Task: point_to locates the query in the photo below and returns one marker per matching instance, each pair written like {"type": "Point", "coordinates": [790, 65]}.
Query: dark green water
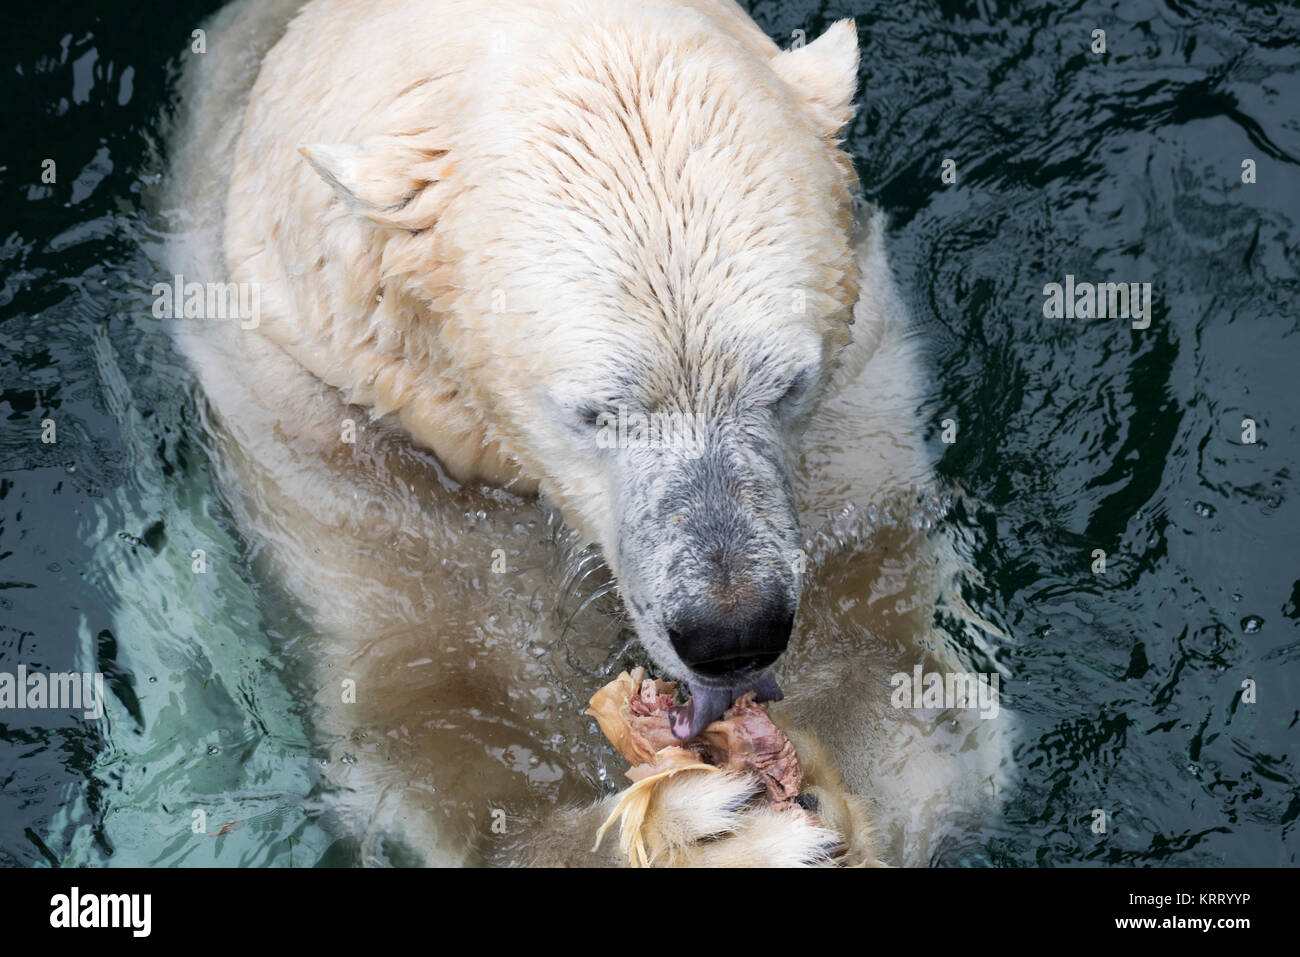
{"type": "Point", "coordinates": [1072, 434]}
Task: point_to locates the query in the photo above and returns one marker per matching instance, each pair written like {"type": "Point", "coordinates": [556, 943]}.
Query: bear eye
{"type": "Point", "coordinates": [587, 415]}
{"type": "Point", "coordinates": [795, 390]}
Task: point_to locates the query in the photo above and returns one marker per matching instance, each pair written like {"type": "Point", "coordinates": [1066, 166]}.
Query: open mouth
{"type": "Point", "coordinates": [706, 703]}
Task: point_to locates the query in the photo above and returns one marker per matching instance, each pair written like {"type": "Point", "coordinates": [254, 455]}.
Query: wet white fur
{"type": "Point", "coordinates": [371, 215]}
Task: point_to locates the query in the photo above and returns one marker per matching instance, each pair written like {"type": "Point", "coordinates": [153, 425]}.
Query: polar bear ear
{"type": "Point", "coordinates": [390, 180]}
{"type": "Point", "coordinates": [825, 74]}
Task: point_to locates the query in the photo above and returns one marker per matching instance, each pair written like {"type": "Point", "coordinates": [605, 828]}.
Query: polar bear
{"type": "Point", "coordinates": [485, 237]}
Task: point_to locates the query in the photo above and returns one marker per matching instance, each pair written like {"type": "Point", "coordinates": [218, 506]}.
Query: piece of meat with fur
{"type": "Point", "coordinates": [633, 711]}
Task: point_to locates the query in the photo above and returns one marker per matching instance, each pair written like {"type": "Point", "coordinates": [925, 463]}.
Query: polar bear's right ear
{"type": "Point", "coordinates": [390, 180]}
{"type": "Point", "coordinates": [825, 75]}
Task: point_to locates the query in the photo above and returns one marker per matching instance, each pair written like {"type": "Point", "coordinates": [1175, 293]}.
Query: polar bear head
{"type": "Point", "coordinates": [633, 256]}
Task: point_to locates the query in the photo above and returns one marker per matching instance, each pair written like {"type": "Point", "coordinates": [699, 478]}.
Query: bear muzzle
{"type": "Point", "coordinates": [729, 650]}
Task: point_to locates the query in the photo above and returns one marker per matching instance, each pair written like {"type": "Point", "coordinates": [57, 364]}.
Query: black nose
{"type": "Point", "coordinates": [716, 642]}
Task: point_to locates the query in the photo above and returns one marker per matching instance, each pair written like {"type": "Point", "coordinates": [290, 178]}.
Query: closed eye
{"type": "Point", "coordinates": [795, 391]}
{"type": "Point", "coordinates": [587, 415]}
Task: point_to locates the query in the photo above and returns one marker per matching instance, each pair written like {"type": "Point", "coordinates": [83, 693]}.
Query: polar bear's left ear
{"type": "Point", "coordinates": [390, 180]}
{"type": "Point", "coordinates": [825, 74]}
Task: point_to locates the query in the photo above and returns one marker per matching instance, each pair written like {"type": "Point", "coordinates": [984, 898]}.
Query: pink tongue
{"type": "Point", "coordinates": [707, 704]}
{"type": "Point", "coordinates": [704, 707]}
